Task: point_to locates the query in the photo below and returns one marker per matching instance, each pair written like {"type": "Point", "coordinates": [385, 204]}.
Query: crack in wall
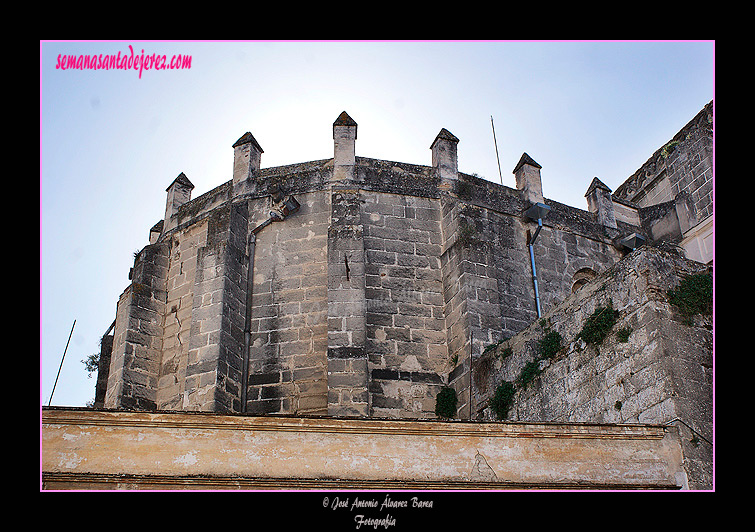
{"type": "Point", "coordinates": [481, 471]}
{"type": "Point", "coordinates": [174, 310]}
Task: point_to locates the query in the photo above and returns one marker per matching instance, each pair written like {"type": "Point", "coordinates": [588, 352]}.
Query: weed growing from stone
{"type": "Point", "coordinates": [445, 403]}
{"type": "Point", "coordinates": [599, 324]}
{"type": "Point", "coordinates": [492, 347]}
{"type": "Point", "coordinates": [694, 295]}
{"type": "Point", "coordinates": [530, 370]}
{"type": "Point", "coordinates": [549, 345]}
{"type": "Point", "coordinates": [502, 400]}
{"type": "Point", "coordinates": [622, 335]}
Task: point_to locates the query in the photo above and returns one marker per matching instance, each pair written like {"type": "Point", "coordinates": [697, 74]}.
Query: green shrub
{"type": "Point", "coordinates": [529, 372]}
{"type": "Point", "coordinates": [549, 344]}
{"type": "Point", "coordinates": [599, 324]}
{"type": "Point", "coordinates": [445, 403]}
{"type": "Point", "coordinates": [492, 347]}
{"type": "Point", "coordinates": [623, 334]}
{"type": "Point", "coordinates": [502, 399]}
{"type": "Point", "coordinates": [694, 295]}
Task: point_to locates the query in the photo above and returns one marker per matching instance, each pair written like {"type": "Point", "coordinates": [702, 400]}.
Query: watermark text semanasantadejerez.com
{"type": "Point", "coordinates": [123, 61]}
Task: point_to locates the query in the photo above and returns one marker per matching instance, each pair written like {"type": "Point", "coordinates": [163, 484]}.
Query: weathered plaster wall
{"type": "Point", "coordinates": [85, 449]}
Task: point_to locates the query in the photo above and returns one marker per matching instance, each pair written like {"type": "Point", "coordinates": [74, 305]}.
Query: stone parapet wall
{"type": "Point", "coordinates": [88, 449]}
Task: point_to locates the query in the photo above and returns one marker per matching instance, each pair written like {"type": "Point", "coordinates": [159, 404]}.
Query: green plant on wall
{"type": "Point", "coordinates": [493, 347]}
{"type": "Point", "coordinates": [530, 370]}
{"type": "Point", "coordinates": [669, 148]}
{"type": "Point", "coordinates": [464, 189]}
{"type": "Point", "coordinates": [502, 400]}
{"type": "Point", "coordinates": [499, 353]}
{"type": "Point", "coordinates": [694, 295]}
{"type": "Point", "coordinates": [549, 345]}
{"type": "Point", "coordinates": [445, 403]}
{"type": "Point", "coordinates": [598, 324]}
{"type": "Point", "coordinates": [92, 363]}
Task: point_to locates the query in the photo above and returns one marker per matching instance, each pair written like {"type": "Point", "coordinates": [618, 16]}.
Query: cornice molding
{"type": "Point", "coordinates": [203, 420]}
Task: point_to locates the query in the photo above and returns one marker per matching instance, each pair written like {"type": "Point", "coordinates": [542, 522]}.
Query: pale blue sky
{"type": "Point", "coordinates": [111, 142]}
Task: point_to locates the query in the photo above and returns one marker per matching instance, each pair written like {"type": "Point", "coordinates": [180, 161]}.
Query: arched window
{"type": "Point", "coordinates": [581, 278]}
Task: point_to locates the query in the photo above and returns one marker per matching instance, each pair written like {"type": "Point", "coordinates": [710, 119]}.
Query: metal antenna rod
{"type": "Point", "coordinates": [496, 149]}
{"type": "Point", "coordinates": [61, 362]}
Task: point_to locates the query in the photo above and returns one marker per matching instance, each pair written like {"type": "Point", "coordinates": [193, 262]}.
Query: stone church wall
{"type": "Point", "coordinates": [380, 290]}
